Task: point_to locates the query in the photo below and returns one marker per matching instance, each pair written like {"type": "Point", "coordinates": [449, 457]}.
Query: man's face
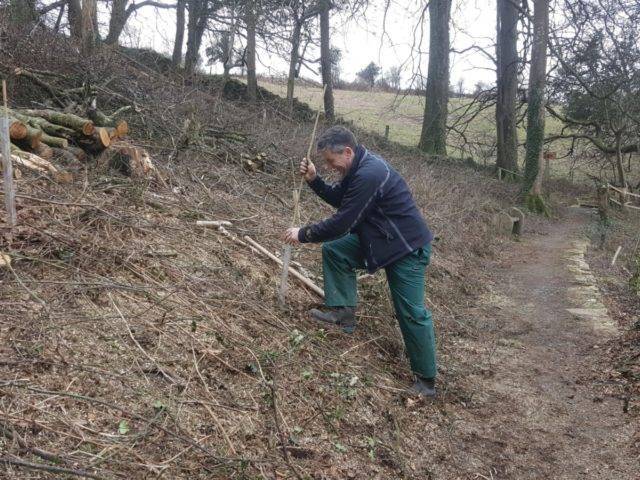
{"type": "Point", "coordinates": [339, 162]}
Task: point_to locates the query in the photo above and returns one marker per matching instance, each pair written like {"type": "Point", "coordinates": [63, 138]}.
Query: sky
{"type": "Point", "coordinates": [359, 39]}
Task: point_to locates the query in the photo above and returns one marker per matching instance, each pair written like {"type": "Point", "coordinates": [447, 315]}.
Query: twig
{"type": "Point", "coordinates": [11, 434]}
{"type": "Point", "coordinates": [27, 289]}
{"type": "Point", "coordinates": [128, 413]}
{"type": "Point", "coordinates": [615, 256]}
{"type": "Point", "coordinates": [283, 443]}
{"type": "Point", "coordinates": [213, 415]}
{"type": "Point", "coordinates": [144, 352]}
{"type": "Point", "coordinates": [49, 468]}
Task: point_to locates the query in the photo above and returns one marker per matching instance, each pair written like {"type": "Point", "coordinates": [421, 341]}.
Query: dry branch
{"type": "Point", "coordinates": [48, 468]}
{"type": "Point", "coordinates": [32, 162]}
{"type": "Point", "coordinates": [292, 271]}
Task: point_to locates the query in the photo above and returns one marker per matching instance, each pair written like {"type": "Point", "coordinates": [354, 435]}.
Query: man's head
{"type": "Point", "coordinates": [337, 147]}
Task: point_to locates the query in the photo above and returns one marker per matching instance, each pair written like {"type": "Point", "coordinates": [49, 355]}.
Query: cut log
{"type": "Point", "coordinates": [46, 126]}
{"type": "Point", "coordinates": [113, 132]}
{"type": "Point", "coordinates": [96, 142]}
{"type": "Point", "coordinates": [122, 127]}
{"type": "Point", "coordinates": [33, 138]}
{"type": "Point", "coordinates": [17, 129]}
{"type": "Point", "coordinates": [102, 120]}
{"type": "Point", "coordinates": [79, 124]}
{"type": "Point", "coordinates": [43, 151]}
{"type": "Point", "coordinates": [132, 161]}
{"type": "Point", "coordinates": [57, 142]}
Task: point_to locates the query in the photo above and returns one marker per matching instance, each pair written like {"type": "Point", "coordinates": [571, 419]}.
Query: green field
{"type": "Point", "coordinates": [373, 110]}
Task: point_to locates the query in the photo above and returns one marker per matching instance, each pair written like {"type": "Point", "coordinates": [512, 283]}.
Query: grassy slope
{"type": "Point", "coordinates": [374, 110]}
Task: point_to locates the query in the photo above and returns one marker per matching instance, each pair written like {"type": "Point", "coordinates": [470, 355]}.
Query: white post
{"type": "Point", "coordinates": [7, 166]}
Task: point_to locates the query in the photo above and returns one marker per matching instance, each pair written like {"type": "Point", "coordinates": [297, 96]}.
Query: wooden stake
{"type": "Point", "coordinates": [9, 192]}
{"type": "Point", "coordinates": [286, 254]}
{"type": "Point", "coordinates": [293, 272]}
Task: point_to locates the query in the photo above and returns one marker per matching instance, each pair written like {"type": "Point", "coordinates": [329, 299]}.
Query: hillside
{"type": "Point", "coordinates": [135, 344]}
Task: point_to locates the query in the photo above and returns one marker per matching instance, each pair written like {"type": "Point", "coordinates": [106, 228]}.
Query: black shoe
{"type": "Point", "coordinates": [425, 387]}
{"type": "Point", "coordinates": [344, 317]}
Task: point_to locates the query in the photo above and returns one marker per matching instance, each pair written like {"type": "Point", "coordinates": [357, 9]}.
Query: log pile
{"type": "Point", "coordinates": [40, 135]}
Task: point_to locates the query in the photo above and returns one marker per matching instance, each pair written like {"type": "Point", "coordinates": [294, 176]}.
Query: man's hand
{"type": "Point", "coordinates": [291, 236]}
{"type": "Point", "coordinates": [308, 170]}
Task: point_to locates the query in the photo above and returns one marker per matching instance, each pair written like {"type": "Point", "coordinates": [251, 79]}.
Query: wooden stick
{"type": "Point", "coordinates": [48, 468]}
{"type": "Point", "coordinates": [213, 223]}
{"type": "Point", "coordinates": [10, 199]}
{"type": "Point", "coordinates": [286, 255]}
{"type": "Point", "coordinates": [291, 270]}
{"type": "Point", "coordinates": [615, 256]}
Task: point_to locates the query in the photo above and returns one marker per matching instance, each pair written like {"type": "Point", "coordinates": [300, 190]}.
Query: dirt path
{"type": "Point", "coordinates": [540, 414]}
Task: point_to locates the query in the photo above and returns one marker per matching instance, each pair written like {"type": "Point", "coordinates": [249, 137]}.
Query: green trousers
{"type": "Point", "coordinates": [341, 258]}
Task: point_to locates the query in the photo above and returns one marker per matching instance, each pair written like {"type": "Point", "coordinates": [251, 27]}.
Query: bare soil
{"type": "Point", "coordinates": [539, 412]}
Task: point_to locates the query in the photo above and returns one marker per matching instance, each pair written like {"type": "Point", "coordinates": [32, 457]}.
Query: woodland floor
{"type": "Point", "coordinates": [540, 414]}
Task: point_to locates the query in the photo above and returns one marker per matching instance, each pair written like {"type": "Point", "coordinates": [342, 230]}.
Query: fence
{"type": "Point", "coordinates": [625, 199]}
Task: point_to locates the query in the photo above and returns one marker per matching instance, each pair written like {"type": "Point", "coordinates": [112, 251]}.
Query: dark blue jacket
{"type": "Point", "coordinates": [374, 202]}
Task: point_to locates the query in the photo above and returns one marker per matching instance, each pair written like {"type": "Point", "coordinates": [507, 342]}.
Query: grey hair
{"type": "Point", "coordinates": [336, 139]}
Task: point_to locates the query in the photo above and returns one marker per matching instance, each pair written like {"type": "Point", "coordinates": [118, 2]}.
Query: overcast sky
{"type": "Point", "coordinates": [473, 22]}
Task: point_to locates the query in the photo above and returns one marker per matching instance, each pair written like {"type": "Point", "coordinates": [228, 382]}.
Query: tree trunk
{"type": "Point", "coordinates": [507, 84]}
{"type": "Point", "coordinates": [22, 12]}
{"type": "Point", "coordinates": [195, 29]}
{"type": "Point", "coordinates": [293, 61]}
{"type": "Point", "coordinates": [88, 34]}
{"type": "Point", "coordinates": [252, 81]}
{"type": "Point", "coordinates": [228, 58]}
{"type": "Point", "coordinates": [75, 17]}
{"type": "Point", "coordinates": [535, 114]}
{"type": "Point", "coordinates": [176, 58]}
{"type": "Point", "coordinates": [433, 138]}
{"type": "Point", "coordinates": [325, 60]}
{"type": "Point", "coordinates": [117, 21]}
{"type": "Point", "coordinates": [622, 181]}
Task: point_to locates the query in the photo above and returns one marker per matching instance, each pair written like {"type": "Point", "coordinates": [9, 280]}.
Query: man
{"type": "Point", "coordinates": [376, 225]}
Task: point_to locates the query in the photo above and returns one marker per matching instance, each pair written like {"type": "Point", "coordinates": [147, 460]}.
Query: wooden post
{"type": "Point", "coordinates": [603, 202]}
{"type": "Point", "coordinates": [386, 133]}
{"type": "Point", "coordinates": [622, 194]}
{"type": "Point", "coordinates": [7, 166]}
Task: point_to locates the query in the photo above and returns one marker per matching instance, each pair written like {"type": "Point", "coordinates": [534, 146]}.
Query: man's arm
{"type": "Point", "coordinates": [330, 193]}
{"type": "Point", "coordinates": [356, 203]}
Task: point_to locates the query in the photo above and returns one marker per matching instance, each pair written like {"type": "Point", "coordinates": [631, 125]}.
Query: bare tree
{"type": "Point", "coordinates": [325, 59]}
{"type": "Point", "coordinates": [121, 10]}
{"type": "Point", "coordinates": [198, 18]}
{"type": "Point", "coordinates": [597, 83]}
{"type": "Point", "coordinates": [532, 186]}
{"type": "Point", "coordinates": [250, 58]}
{"type": "Point", "coordinates": [507, 84]}
{"type": "Point", "coordinates": [300, 13]}
{"type": "Point", "coordinates": [176, 58]}
{"type": "Point", "coordinates": [434, 126]}
{"type": "Point", "coordinates": [88, 32]}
